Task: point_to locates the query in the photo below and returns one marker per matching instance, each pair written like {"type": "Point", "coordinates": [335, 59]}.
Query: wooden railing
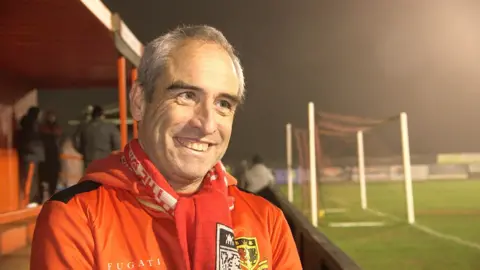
{"type": "Point", "coordinates": [315, 249]}
{"type": "Point", "coordinates": [19, 215]}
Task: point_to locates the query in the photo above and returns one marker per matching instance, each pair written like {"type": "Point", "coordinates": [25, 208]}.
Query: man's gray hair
{"type": "Point", "coordinates": [155, 56]}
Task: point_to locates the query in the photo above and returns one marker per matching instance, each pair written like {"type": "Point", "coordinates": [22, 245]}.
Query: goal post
{"type": "Point", "coordinates": [361, 170]}
{"type": "Point", "coordinates": [312, 164]}
{"type": "Point", "coordinates": [288, 131]}
{"type": "Point", "coordinates": [407, 168]}
{"type": "Point", "coordinates": [307, 145]}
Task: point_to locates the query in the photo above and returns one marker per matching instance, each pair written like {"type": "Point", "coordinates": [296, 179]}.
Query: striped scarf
{"type": "Point", "coordinates": [210, 207]}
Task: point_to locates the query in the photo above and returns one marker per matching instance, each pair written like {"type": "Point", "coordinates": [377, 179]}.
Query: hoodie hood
{"type": "Point", "coordinates": [112, 172]}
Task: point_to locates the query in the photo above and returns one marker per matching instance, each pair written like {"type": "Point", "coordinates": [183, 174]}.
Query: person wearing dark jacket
{"type": "Point", "coordinates": [98, 139]}
{"type": "Point", "coordinates": [84, 120]}
{"type": "Point", "coordinates": [30, 150]}
{"type": "Point", "coordinates": [49, 170]}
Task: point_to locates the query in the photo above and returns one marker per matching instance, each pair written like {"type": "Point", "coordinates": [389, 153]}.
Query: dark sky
{"type": "Point", "coordinates": [367, 58]}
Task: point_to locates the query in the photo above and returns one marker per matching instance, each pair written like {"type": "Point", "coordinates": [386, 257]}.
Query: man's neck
{"type": "Point", "coordinates": [187, 189]}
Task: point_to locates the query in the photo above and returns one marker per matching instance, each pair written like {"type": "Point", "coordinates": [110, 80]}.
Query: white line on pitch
{"type": "Point", "coordinates": [446, 236]}
{"type": "Point", "coordinates": [381, 214]}
{"type": "Point", "coordinates": [335, 210]}
{"type": "Point", "coordinates": [430, 231]}
{"type": "Point", "coordinates": [356, 224]}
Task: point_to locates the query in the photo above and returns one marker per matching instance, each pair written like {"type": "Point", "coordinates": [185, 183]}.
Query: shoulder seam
{"type": "Point", "coordinates": [67, 194]}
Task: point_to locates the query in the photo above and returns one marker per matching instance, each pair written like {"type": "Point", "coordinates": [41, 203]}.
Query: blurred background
{"type": "Point", "coordinates": [362, 63]}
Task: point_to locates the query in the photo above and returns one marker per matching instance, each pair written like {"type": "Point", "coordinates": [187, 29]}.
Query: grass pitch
{"type": "Point", "coordinates": [446, 234]}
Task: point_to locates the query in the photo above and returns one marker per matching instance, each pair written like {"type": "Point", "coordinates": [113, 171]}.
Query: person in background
{"type": "Point", "coordinates": [72, 167]}
{"type": "Point", "coordinates": [85, 118]}
{"type": "Point", "coordinates": [49, 169]}
{"type": "Point", "coordinates": [166, 201]}
{"type": "Point", "coordinates": [98, 139]}
{"type": "Point", "coordinates": [259, 176]}
{"type": "Point", "coordinates": [240, 172]}
{"type": "Point", "coordinates": [30, 151]}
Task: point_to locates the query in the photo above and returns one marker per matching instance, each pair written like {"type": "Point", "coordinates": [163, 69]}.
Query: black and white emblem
{"type": "Point", "coordinates": [227, 254]}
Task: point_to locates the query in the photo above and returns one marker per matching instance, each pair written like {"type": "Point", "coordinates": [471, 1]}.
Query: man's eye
{"type": "Point", "coordinates": [187, 95]}
{"type": "Point", "coordinates": [225, 104]}
{"type": "Point", "coordinates": [186, 98]}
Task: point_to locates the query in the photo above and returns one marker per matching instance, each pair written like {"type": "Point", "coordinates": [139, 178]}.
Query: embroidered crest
{"type": "Point", "coordinates": [249, 253]}
{"type": "Point", "coordinates": [227, 257]}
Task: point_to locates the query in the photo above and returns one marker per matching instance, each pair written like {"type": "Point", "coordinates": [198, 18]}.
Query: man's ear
{"type": "Point", "coordinates": [137, 102]}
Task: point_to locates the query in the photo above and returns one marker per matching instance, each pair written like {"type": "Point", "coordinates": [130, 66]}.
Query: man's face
{"type": "Point", "coordinates": [186, 127]}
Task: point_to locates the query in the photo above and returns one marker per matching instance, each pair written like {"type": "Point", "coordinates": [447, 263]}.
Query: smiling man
{"type": "Point", "coordinates": [166, 202]}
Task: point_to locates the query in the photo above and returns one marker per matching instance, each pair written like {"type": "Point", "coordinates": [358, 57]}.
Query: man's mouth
{"type": "Point", "coordinates": [194, 145]}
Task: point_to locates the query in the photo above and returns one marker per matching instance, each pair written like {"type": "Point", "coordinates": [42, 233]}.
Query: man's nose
{"type": "Point", "coordinates": [205, 118]}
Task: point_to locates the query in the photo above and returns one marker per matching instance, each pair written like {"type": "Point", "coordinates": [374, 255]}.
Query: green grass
{"type": "Point", "coordinates": [447, 207]}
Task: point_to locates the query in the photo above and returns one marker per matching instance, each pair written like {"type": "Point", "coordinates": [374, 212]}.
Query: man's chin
{"type": "Point", "coordinates": [189, 171]}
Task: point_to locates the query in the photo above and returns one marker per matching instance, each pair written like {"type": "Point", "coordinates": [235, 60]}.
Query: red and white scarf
{"type": "Point", "coordinates": [209, 207]}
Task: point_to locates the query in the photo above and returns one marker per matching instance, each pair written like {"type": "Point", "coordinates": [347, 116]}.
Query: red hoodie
{"type": "Point", "coordinates": [100, 223]}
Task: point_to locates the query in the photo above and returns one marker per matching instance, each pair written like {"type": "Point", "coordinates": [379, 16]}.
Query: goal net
{"type": "Point", "coordinates": [365, 176]}
{"type": "Point", "coordinates": [375, 161]}
{"type": "Point", "coordinates": [353, 158]}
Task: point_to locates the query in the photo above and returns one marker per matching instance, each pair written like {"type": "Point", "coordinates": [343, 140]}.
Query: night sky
{"type": "Point", "coordinates": [365, 58]}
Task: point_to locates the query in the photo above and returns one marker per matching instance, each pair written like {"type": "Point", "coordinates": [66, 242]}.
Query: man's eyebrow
{"type": "Point", "coordinates": [233, 98]}
{"type": "Point", "coordinates": [176, 85]}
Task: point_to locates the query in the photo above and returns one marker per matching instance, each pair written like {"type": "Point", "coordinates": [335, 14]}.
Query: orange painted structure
{"type": "Point", "coordinates": [53, 44]}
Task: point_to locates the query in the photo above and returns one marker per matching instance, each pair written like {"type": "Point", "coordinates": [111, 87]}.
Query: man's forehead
{"type": "Point", "coordinates": [204, 65]}
{"type": "Point", "coordinates": [198, 54]}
